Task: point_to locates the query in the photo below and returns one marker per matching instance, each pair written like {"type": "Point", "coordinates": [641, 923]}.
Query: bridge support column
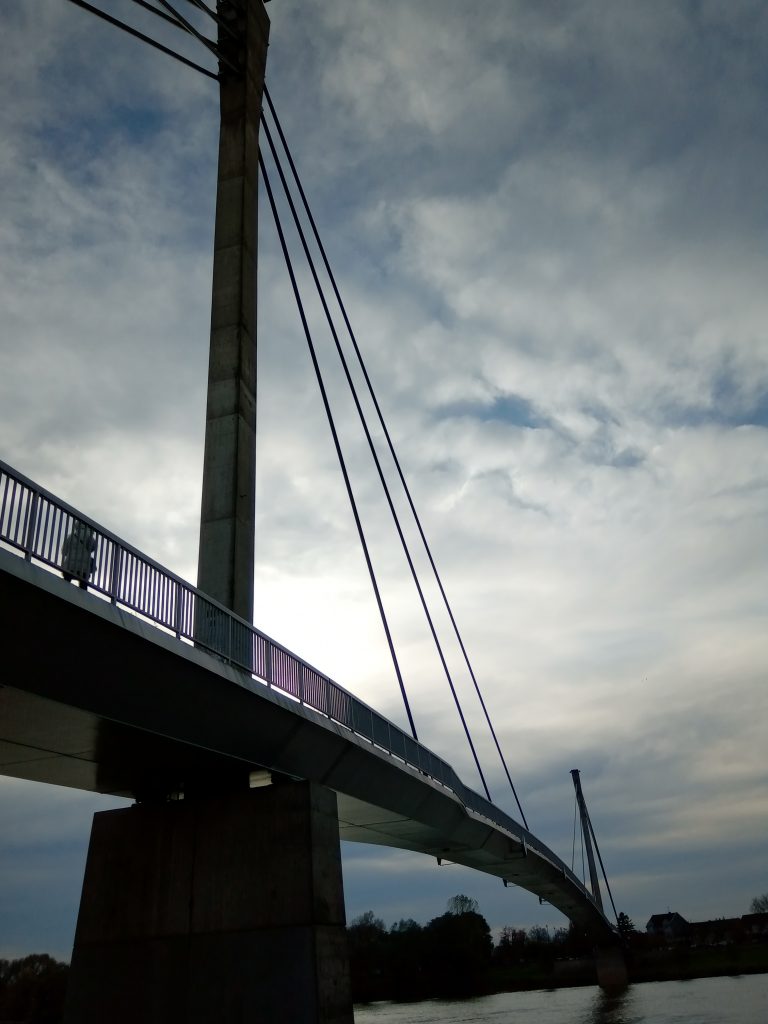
{"type": "Point", "coordinates": [227, 513]}
{"type": "Point", "coordinates": [611, 968]}
{"type": "Point", "coordinates": [226, 909]}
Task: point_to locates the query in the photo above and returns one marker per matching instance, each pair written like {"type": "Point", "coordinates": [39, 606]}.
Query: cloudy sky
{"type": "Point", "coordinates": [549, 221]}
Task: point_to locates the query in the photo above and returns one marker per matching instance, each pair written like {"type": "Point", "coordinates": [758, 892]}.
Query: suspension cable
{"type": "Point", "coordinates": [221, 22]}
{"type": "Point", "coordinates": [161, 14]}
{"type": "Point", "coordinates": [361, 415]}
{"type": "Point", "coordinates": [390, 444]}
{"type": "Point", "coordinates": [180, 22]}
{"type": "Point", "coordinates": [144, 39]}
{"type": "Point", "coordinates": [602, 866]}
{"type": "Point", "coordinates": [336, 442]}
{"type": "Point", "coordinates": [214, 49]}
{"type": "Point", "coordinates": [581, 842]}
{"type": "Point", "coordinates": [583, 854]}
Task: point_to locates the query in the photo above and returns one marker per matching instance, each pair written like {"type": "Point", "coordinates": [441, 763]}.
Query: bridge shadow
{"type": "Point", "coordinates": [610, 1007]}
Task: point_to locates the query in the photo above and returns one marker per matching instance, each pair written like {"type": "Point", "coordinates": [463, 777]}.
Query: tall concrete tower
{"type": "Point", "coordinates": [227, 521]}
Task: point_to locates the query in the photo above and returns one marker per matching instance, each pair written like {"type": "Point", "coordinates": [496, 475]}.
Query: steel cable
{"type": "Point", "coordinates": [142, 37]}
{"type": "Point", "coordinates": [336, 442]}
{"type": "Point", "coordinates": [372, 447]}
{"type": "Point", "coordinates": [179, 21]}
{"type": "Point", "coordinates": [390, 444]}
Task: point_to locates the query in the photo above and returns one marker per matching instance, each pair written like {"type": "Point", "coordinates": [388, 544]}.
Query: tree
{"type": "Point", "coordinates": [759, 904]}
{"type": "Point", "coordinates": [458, 950]}
{"type": "Point", "coordinates": [626, 925]}
{"type": "Point", "coordinates": [32, 989]}
{"type": "Point", "coordinates": [512, 937]}
{"type": "Point", "coordinates": [366, 941]}
{"type": "Point", "coordinates": [404, 926]}
{"type": "Point", "coordinates": [405, 961]}
{"type": "Point", "coordinates": [367, 924]}
{"type": "Point", "coordinates": [539, 934]}
{"type": "Point", "coordinates": [577, 942]}
{"type": "Point", "coordinates": [539, 945]}
{"type": "Point", "coordinates": [511, 944]}
{"type": "Point", "coordinates": [462, 905]}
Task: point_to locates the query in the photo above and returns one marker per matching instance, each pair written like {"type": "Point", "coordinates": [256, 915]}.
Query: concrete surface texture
{"type": "Point", "coordinates": [227, 526]}
{"type": "Point", "coordinates": [226, 909]}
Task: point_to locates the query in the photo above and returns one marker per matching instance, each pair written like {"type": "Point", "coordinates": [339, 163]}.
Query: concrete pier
{"type": "Point", "coordinates": [226, 909]}
{"type": "Point", "coordinates": [611, 968]}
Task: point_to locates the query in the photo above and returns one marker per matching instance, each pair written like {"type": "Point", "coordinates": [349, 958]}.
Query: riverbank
{"type": "Point", "coordinates": [674, 964]}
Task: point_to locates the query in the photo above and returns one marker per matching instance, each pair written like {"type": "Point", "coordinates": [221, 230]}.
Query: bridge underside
{"type": "Point", "coordinates": [105, 702]}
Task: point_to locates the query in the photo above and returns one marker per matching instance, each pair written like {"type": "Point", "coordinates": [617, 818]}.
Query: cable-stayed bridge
{"type": "Point", "coordinates": [218, 895]}
{"type": "Point", "coordinates": [144, 687]}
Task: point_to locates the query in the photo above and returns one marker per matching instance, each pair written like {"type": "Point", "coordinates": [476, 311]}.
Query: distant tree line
{"type": "Point", "coordinates": [451, 956]}
{"type": "Point", "coordinates": [32, 989]}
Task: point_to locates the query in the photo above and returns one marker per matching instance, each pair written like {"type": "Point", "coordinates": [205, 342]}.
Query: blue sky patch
{"type": "Point", "coordinates": [506, 408]}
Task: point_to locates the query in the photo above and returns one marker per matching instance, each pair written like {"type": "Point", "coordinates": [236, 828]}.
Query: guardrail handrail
{"type": "Point", "coordinates": [42, 527]}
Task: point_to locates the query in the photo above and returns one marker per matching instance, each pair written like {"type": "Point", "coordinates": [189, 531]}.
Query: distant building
{"type": "Point", "coordinates": [670, 926]}
{"type": "Point", "coordinates": [755, 926]}
{"type": "Point", "coordinates": [722, 932]}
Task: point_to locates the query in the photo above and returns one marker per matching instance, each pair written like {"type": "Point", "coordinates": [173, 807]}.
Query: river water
{"type": "Point", "coordinates": [738, 1000]}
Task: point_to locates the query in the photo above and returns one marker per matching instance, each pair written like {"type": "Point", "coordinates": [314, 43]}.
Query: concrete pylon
{"type": "Point", "coordinates": [226, 909]}
{"type": "Point", "coordinates": [227, 519]}
{"type": "Point", "coordinates": [586, 830]}
{"type": "Point", "coordinates": [611, 968]}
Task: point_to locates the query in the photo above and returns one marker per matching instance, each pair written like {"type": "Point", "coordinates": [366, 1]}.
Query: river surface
{"type": "Point", "coordinates": [737, 1000]}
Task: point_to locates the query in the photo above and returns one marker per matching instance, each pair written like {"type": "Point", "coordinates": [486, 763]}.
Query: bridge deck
{"type": "Point", "coordinates": [106, 702]}
{"type": "Point", "coordinates": [146, 687]}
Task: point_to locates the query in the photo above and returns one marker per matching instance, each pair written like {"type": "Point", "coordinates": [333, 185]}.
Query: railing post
{"type": "Point", "coordinates": [29, 532]}
{"type": "Point", "coordinates": [268, 662]}
{"type": "Point", "coordinates": [301, 681]}
{"type": "Point", "coordinates": [180, 591]}
{"type": "Point", "coordinates": [117, 564]}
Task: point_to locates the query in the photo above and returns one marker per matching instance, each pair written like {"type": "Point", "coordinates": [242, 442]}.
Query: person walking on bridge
{"type": "Point", "coordinates": [79, 554]}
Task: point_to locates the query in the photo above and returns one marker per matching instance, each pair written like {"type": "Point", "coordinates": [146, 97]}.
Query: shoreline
{"type": "Point", "coordinates": [657, 965]}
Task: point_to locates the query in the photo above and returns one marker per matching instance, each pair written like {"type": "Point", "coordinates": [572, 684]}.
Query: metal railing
{"type": "Point", "coordinates": [41, 527]}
